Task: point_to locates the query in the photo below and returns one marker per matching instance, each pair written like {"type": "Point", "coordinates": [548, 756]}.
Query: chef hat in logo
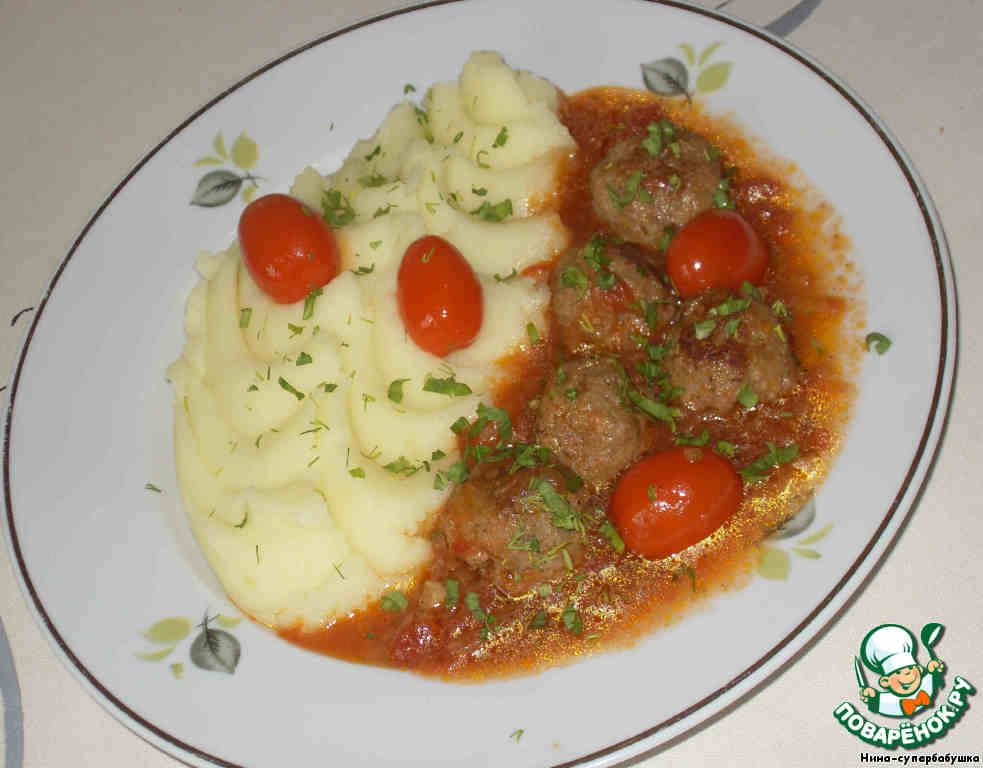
{"type": "Point", "coordinates": [888, 648]}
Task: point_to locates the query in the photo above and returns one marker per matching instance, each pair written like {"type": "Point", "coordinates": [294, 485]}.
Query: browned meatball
{"type": "Point", "coordinates": [584, 422]}
{"type": "Point", "coordinates": [723, 348]}
{"type": "Point", "coordinates": [601, 292]}
{"type": "Point", "coordinates": [512, 527]}
{"type": "Point", "coordinates": [638, 194]}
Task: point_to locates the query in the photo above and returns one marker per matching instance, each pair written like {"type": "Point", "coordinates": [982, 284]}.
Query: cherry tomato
{"type": "Point", "coordinates": [440, 298]}
{"type": "Point", "coordinates": [673, 499]}
{"type": "Point", "coordinates": [716, 249]}
{"type": "Point", "coordinates": [288, 249]}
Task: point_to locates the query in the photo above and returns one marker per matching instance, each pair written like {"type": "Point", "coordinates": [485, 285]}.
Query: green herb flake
{"type": "Point", "coordinates": [374, 153]}
{"type": "Point", "coordinates": [382, 211]}
{"type": "Point", "coordinates": [328, 386]}
{"type": "Point", "coordinates": [373, 180]}
{"type": "Point", "coordinates": [704, 328]}
{"type": "Point", "coordinates": [402, 466]}
{"type": "Point", "coordinates": [252, 388]}
{"type": "Point", "coordinates": [533, 333]}
{"type": "Point", "coordinates": [726, 449]}
{"type": "Point", "coordinates": [336, 209]}
{"type": "Point", "coordinates": [494, 213]}
{"type": "Point", "coordinates": [363, 270]}
{"type": "Point", "coordinates": [509, 276]}
{"type": "Point", "coordinates": [458, 136]}
{"type": "Point", "coordinates": [448, 386]}
{"type": "Point", "coordinates": [747, 396]}
{"type": "Point", "coordinates": [394, 601]}
{"type": "Point", "coordinates": [501, 138]}
{"type": "Point", "coordinates": [572, 621]}
{"type": "Point", "coordinates": [375, 244]}
{"type": "Point", "coordinates": [878, 341]}
{"type": "Point", "coordinates": [482, 163]}
{"type": "Point", "coordinates": [701, 439]}
{"type": "Point", "coordinates": [538, 621]}
{"type": "Point", "coordinates": [610, 533]}
{"type": "Point", "coordinates": [395, 392]}
{"type": "Point", "coordinates": [453, 593]}
{"type": "Point", "coordinates": [759, 469]}
{"type": "Point", "coordinates": [480, 192]}
{"type": "Point", "coordinates": [731, 306]}
{"type": "Point", "coordinates": [654, 409]}
{"type": "Point", "coordinates": [304, 359]}
{"type": "Point", "coordinates": [245, 315]}
{"type": "Point", "coordinates": [408, 88]}
{"type": "Point", "coordinates": [653, 142]}
{"type": "Point", "coordinates": [152, 487]}
{"type": "Point", "coordinates": [666, 237]}
{"type": "Point", "coordinates": [574, 278]}
{"type": "Point", "coordinates": [357, 472]}
{"type": "Point", "coordinates": [366, 399]}
{"type": "Point", "coordinates": [295, 330]}
{"type": "Point", "coordinates": [287, 386]}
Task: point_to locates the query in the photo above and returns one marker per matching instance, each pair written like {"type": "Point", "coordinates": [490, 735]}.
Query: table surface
{"type": "Point", "coordinates": [67, 71]}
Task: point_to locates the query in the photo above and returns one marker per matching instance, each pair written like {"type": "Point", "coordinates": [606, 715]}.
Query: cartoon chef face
{"type": "Point", "coordinates": [904, 681]}
{"type": "Point", "coordinates": [889, 651]}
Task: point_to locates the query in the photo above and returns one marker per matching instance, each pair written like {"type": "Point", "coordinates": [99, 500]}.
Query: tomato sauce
{"type": "Point", "coordinates": [620, 596]}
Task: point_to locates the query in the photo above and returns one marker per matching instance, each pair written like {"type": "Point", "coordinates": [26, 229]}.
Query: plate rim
{"type": "Point", "coordinates": [836, 600]}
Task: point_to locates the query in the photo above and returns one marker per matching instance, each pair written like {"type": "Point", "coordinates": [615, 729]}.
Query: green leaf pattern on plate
{"type": "Point", "coordinates": [774, 562]}
{"type": "Point", "coordinates": [671, 76]}
{"type": "Point", "coordinates": [213, 650]}
{"type": "Point", "coordinates": [220, 186]}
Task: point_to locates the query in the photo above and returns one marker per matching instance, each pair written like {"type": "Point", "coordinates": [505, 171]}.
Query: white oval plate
{"type": "Point", "coordinates": [102, 559]}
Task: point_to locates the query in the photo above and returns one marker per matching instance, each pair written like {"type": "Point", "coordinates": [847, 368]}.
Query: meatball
{"type": "Point", "coordinates": [605, 298]}
{"type": "Point", "coordinates": [724, 348]}
{"type": "Point", "coordinates": [584, 422]}
{"type": "Point", "coordinates": [511, 527]}
{"type": "Point", "coordinates": [638, 194]}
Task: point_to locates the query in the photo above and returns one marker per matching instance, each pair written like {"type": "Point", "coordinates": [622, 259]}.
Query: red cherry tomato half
{"type": "Point", "coordinates": [440, 298]}
{"type": "Point", "coordinates": [716, 249]}
{"type": "Point", "coordinates": [673, 499]}
{"type": "Point", "coordinates": [288, 249]}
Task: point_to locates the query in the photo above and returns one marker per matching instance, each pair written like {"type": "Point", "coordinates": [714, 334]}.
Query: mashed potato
{"type": "Point", "coordinates": [307, 478]}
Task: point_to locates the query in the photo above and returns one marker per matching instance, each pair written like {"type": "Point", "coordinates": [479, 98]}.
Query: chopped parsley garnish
{"type": "Point", "coordinates": [374, 153]}
{"type": "Point", "coordinates": [726, 449]}
{"type": "Point", "coordinates": [653, 142]}
{"type": "Point", "coordinates": [573, 277]}
{"type": "Point", "coordinates": [364, 270]}
{"type": "Point", "coordinates": [730, 306]}
{"type": "Point", "coordinates": [449, 386]}
{"type": "Point", "coordinates": [731, 326]}
{"type": "Point", "coordinates": [152, 487]}
{"type": "Point", "coordinates": [336, 209]}
{"type": "Point", "coordinates": [480, 192]}
{"type": "Point", "coordinates": [666, 237]}
{"type": "Point", "coordinates": [395, 392]}
{"type": "Point", "coordinates": [609, 532]}
{"type": "Point", "coordinates": [408, 88]}
{"type": "Point", "coordinates": [328, 386]}
{"type": "Point", "coordinates": [533, 333]}
{"type": "Point", "coordinates": [509, 276]}
{"type": "Point", "coordinates": [780, 309]}
{"type": "Point", "coordinates": [538, 621]}
{"type": "Point", "coordinates": [878, 341]}
{"type": "Point", "coordinates": [747, 396]}
{"type": "Point", "coordinates": [654, 409]}
{"type": "Point", "coordinates": [245, 315]}
{"type": "Point", "coordinates": [295, 330]}
{"type": "Point", "coordinates": [286, 385]}
{"type": "Point", "coordinates": [453, 593]}
{"type": "Point", "coordinates": [394, 601]}
{"type": "Point", "coordinates": [758, 469]}
{"type": "Point", "coordinates": [366, 399]}
{"type": "Point", "coordinates": [633, 190]}
{"type": "Point", "coordinates": [572, 621]}
{"type": "Point", "coordinates": [309, 303]}
{"type": "Point", "coordinates": [481, 163]}
{"type": "Point", "coordinates": [704, 328]}
{"type": "Point", "coordinates": [373, 180]}
{"type": "Point", "coordinates": [498, 212]}
{"type": "Point", "coordinates": [380, 211]}
{"type": "Point", "coordinates": [457, 136]}
{"type": "Point", "coordinates": [304, 359]}
{"type": "Point", "coordinates": [402, 466]}
{"type": "Point", "coordinates": [502, 138]}
{"type": "Point", "coordinates": [701, 439]}
{"type": "Point", "coordinates": [357, 472]}
{"type": "Point", "coordinates": [564, 514]}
